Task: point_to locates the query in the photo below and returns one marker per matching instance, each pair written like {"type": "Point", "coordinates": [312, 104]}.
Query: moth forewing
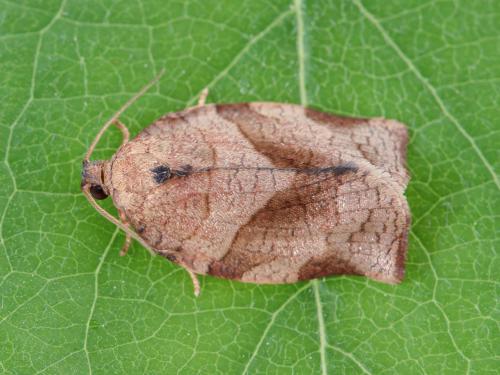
{"type": "Point", "coordinates": [266, 192]}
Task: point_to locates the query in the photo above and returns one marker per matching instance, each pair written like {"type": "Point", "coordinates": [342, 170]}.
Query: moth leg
{"type": "Point", "coordinates": [196, 283]}
{"type": "Point", "coordinates": [123, 129]}
{"type": "Point", "coordinates": [203, 97]}
{"type": "Point", "coordinates": [194, 279]}
{"type": "Point", "coordinates": [128, 237]}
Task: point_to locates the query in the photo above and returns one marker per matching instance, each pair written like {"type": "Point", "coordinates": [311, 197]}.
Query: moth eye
{"type": "Point", "coordinates": [97, 192]}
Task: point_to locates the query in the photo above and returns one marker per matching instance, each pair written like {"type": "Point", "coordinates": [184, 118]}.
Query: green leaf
{"type": "Point", "coordinates": [70, 305]}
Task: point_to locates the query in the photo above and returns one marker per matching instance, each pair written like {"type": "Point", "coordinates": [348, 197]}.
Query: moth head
{"type": "Point", "coordinates": [93, 176]}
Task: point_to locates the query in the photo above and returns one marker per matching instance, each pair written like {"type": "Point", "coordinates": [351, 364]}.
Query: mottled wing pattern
{"type": "Point", "coordinates": [253, 215]}
{"type": "Point", "coordinates": [355, 223]}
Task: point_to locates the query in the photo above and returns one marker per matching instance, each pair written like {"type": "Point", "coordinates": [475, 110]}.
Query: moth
{"type": "Point", "coordinates": [260, 192]}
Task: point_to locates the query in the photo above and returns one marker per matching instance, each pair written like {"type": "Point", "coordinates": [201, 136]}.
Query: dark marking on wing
{"type": "Point", "coordinates": [338, 170]}
{"type": "Point", "coordinates": [324, 266]}
{"type": "Point", "coordinates": [184, 171]}
{"type": "Point", "coordinates": [161, 173]}
{"type": "Point", "coordinates": [335, 120]}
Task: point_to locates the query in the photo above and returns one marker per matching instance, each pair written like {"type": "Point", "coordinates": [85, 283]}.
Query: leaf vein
{"type": "Point", "coordinates": [374, 21]}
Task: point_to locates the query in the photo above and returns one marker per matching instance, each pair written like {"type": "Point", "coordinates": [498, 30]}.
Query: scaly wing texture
{"type": "Point", "coordinates": [355, 223]}
{"type": "Point", "coordinates": [265, 201]}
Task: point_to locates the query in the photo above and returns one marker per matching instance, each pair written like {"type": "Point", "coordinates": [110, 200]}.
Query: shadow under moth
{"type": "Point", "coordinates": [260, 192]}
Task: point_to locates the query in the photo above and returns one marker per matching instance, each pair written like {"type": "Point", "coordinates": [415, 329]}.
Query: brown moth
{"type": "Point", "coordinates": [261, 192]}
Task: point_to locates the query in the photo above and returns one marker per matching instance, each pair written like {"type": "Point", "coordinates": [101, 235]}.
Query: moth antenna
{"type": "Point", "coordinates": [129, 232]}
{"type": "Point", "coordinates": [128, 238]}
{"type": "Point", "coordinates": [126, 245]}
{"type": "Point", "coordinates": [126, 136]}
{"type": "Point", "coordinates": [113, 120]}
{"type": "Point", "coordinates": [124, 130]}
